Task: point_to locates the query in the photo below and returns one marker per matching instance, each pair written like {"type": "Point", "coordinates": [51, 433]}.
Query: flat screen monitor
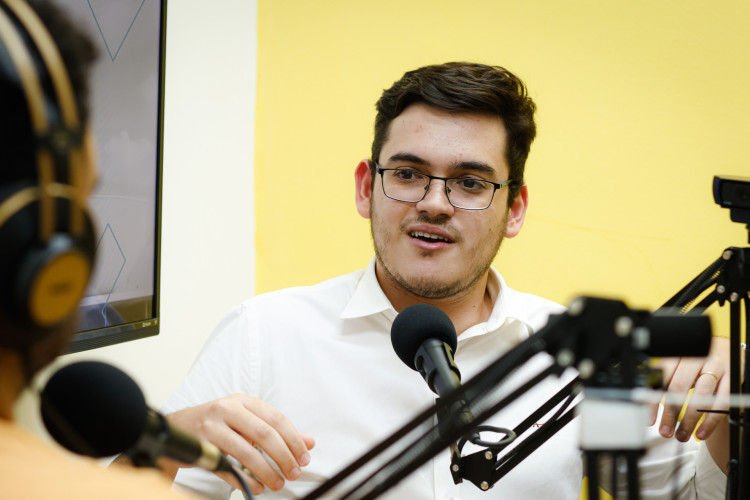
{"type": "Point", "coordinates": [127, 86]}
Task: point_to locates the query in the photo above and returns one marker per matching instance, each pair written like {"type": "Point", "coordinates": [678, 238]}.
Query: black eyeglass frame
{"type": "Point", "coordinates": [496, 185]}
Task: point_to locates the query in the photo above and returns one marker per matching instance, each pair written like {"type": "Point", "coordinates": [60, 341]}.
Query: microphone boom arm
{"type": "Point", "coordinates": [602, 338]}
{"type": "Point", "coordinates": [730, 274]}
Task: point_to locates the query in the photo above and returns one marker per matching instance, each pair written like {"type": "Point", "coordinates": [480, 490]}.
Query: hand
{"type": "Point", "coordinates": [239, 425]}
{"type": "Point", "coordinates": [706, 376]}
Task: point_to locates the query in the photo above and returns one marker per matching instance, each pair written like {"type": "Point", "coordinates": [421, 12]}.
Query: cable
{"type": "Point", "coordinates": [245, 489]}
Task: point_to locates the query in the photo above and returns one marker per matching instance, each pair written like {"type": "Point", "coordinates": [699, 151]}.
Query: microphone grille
{"type": "Point", "coordinates": [93, 409]}
{"type": "Point", "coordinates": [673, 335]}
{"type": "Point", "coordinates": [417, 323]}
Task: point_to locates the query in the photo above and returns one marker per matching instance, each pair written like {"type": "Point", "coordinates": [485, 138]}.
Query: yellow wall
{"type": "Point", "coordinates": [640, 104]}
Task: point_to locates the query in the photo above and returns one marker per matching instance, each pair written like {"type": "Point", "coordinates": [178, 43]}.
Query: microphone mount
{"type": "Point", "coordinates": [606, 341]}
{"type": "Point", "coordinates": [729, 276]}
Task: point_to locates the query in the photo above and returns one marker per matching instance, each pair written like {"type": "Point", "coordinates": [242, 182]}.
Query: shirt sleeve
{"type": "Point", "coordinates": [710, 480]}
{"type": "Point", "coordinates": [229, 363]}
{"type": "Point", "coordinates": [670, 470]}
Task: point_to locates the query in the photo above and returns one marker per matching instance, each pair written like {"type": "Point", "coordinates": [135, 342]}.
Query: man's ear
{"type": "Point", "coordinates": [517, 213]}
{"type": "Point", "coordinates": [363, 183]}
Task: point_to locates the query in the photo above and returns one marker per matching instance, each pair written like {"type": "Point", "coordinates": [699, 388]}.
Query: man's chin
{"type": "Point", "coordinates": [431, 289]}
{"type": "Point", "coordinates": [425, 278]}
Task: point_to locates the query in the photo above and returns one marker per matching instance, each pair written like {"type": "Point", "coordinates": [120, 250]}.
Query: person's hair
{"type": "Point", "coordinates": [17, 141]}
{"type": "Point", "coordinates": [18, 162]}
{"type": "Point", "coordinates": [462, 87]}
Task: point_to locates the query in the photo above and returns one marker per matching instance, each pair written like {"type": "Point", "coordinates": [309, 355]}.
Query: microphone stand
{"type": "Point", "coordinates": [602, 338]}
{"type": "Point", "coordinates": [731, 276]}
{"type": "Point", "coordinates": [604, 341]}
{"type": "Point", "coordinates": [485, 467]}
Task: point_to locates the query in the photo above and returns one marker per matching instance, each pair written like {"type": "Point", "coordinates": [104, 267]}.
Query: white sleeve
{"type": "Point", "coordinates": [670, 470]}
{"type": "Point", "coordinates": [229, 363]}
{"type": "Point", "coordinates": [710, 480]}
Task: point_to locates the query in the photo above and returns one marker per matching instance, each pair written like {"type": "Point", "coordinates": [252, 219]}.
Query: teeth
{"type": "Point", "coordinates": [419, 234]}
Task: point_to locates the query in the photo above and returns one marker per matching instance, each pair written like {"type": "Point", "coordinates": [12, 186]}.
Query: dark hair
{"type": "Point", "coordinates": [465, 88]}
{"type": "Point", "coordinates": [17, 141]}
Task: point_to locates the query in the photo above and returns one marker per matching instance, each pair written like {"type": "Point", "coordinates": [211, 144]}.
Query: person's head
{"type": "Point", "coordinates": [444, 185]}
{"type": "Point", "coordinates": [461, 87]}
{"type": "Point", "coordinates": [47, 170]}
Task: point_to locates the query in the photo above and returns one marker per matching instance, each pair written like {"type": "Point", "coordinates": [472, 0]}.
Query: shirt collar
{"type": "Point", "coordinates": [500, 295]}
{"type": "Point", "coordinates": [368, 298]}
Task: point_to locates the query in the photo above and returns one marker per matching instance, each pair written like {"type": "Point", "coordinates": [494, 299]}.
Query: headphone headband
{"type": "Point", "coordinates": [46, 237]}
{"type": "Point", "coordinates": [53, 141]}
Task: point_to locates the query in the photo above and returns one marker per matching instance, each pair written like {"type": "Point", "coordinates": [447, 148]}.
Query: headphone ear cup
{"type": "Point", "coordinates": [43, 282]}
{"type": "Point", "coordinates": [51, 281]}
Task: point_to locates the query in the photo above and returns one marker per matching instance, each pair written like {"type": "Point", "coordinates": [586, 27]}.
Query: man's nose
{"type": "Point", "coordinates": [436, 198]}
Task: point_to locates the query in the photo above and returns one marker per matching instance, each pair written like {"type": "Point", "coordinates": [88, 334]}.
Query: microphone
{"type": "Point", "coordinates": [95, 409]}
{"type": "Point", "coordinates": [676, 335]}
{"type": "Point", "coordinates": [425, 339]}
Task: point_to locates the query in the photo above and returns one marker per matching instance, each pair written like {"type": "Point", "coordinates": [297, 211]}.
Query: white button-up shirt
{"type": "Point", "coordinates": [322, 356]}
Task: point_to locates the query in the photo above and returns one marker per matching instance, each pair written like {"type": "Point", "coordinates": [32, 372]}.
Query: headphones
{"type": "Point", "coordinates": [46, 234]}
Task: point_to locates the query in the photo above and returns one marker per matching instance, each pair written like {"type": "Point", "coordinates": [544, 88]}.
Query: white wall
{"type": "Point", "coordinates": [208, 256]}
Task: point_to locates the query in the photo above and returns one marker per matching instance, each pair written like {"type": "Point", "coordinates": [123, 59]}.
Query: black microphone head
{"type": "Point", "coordinates": [417, 323]}
{"type": "Point", "coordinates": [93, 409]}
{"type": "Point", "coordinates": [677, 335]}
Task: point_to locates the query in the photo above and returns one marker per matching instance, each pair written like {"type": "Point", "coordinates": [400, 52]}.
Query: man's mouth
{"type": "Point", "coordinates": [432, 238]}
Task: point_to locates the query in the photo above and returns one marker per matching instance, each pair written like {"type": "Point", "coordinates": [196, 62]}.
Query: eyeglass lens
{"type": "Point", "coordinates": [411, 186]}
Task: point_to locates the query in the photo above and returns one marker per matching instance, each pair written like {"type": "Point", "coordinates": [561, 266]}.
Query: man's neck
{"type": "Point", "coordinates": [465, 309]}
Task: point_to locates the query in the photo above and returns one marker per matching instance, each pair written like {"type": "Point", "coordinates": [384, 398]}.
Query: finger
{"type": "Point", "coordinates": [309, 441]}
{"type": "Point", "coordinates": [705, 384]}
{"type": "Point", "coordinates": [667, 367]}
{"type": "Point", "coordinates": [226, 422]}
{"type": "Point", "coordinates": [681, 381]}
{"type": "Point", "coordinates": [251, 426]}
{"type": "Point", "coordinates": [251, 458]}
{"type": "Point", "coordinates": [278, 438]}
{"type": "Point", "coordinates": [712, 420]}
{"type": "Point", "coordinates": [719, 364]}
{"type": "Point", "coordinates": [256, 487]}
{"type": "Point", "coordinates": [239, 422]}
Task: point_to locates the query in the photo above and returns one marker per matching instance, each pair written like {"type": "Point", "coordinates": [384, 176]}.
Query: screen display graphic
{"type": "Point", "coordinates": [126, 118]}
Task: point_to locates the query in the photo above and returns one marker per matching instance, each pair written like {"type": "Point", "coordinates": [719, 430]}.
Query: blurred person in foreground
{"type": "Point", "coordinates": [47, 171]}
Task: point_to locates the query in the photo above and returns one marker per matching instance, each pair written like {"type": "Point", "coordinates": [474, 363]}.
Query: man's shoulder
{"type": "Point", "coordinates": [530, 308]}
{"type": "Point", "coordinates": [285, 311]}
{"type": "Point", "coordinates": [532, 301]}
{"type": "Point", "coordinates": [336, 289]}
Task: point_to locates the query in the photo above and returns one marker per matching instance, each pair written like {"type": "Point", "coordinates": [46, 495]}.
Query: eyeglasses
{"type": "Point", "coordinates": [411, 186]}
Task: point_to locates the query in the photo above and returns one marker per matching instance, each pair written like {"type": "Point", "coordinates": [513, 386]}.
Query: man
{"type": "Point", "coordinates": [442, 189]}
{"type": "Point", "coordinates": [47, 170]}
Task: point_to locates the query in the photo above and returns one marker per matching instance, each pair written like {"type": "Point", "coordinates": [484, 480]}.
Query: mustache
{"type": "Point", "coordinates": [440, 221]}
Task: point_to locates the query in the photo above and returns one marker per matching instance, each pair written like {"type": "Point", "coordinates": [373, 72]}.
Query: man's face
{"type": "Point", "coordinates": [431, 249]}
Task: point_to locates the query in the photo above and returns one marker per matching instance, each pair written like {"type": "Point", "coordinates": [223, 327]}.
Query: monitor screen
{"type": "Point", "coordinates": [122, 301]}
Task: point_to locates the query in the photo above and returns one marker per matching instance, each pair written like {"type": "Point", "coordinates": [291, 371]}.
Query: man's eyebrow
{"type": "Point", "coordinates": [478, 167]}
{"type": "Point", "coordinates": [409, 158]}
{"type": "Point", "coordinates": [474, 166]}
